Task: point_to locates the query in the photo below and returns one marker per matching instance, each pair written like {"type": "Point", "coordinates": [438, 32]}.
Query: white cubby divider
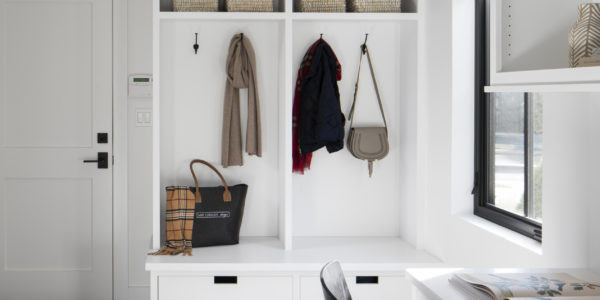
{"type": "Point", "coordinates": [335, 199]}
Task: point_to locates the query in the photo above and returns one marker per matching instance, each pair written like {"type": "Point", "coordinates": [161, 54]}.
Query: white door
{"type": "Point", "coordinates": [55, 96]}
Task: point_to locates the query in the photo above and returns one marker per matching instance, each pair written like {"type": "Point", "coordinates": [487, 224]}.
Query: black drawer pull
{"type": "Point", "coordinates": [367, 279]}
{"type": "Point", "coordinates": [225, 279]}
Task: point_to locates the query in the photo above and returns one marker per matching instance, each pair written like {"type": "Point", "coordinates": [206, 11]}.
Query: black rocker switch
{"type": "Point", "coordinates": [102, 138]}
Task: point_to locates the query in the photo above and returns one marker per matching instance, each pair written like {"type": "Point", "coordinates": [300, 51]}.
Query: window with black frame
{"type": "Point", "coordinates": [508, 147]}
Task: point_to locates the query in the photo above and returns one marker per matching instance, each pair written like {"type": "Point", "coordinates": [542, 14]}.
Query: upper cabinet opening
{"type": "Point", "coordinates": [406, 6]}
{"type": "Point", "coordinates": [529, 42]}
{"type": "Point", "coordinates": [222, 6]}
{"type": "Point", "coordinates": [355, 6]}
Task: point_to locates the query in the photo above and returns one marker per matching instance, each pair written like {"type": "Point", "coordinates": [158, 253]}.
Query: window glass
{"type": "Point", "coordinates": [516, 144]}
{"type": "Point", "coordinates": [507, 120]}
{"type": "Point", "coordinates": [538, 142]}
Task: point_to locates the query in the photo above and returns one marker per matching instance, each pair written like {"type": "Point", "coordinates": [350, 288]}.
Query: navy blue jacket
{"type": "Point", "coordinates": [321, 119]}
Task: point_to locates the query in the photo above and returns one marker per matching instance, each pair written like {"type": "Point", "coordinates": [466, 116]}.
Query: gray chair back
{"type": "Point", "coordinates": [334, 283]}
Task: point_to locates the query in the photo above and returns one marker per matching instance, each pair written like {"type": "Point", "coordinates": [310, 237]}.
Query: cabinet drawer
{"type": "Point", "coordinates": [224, 288]}
{"type": "Point", "coordinates": [367, 288]}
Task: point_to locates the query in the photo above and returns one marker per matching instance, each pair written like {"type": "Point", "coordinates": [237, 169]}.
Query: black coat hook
{"type": "Point", "coordinates": [321, 36]}
{"type": "Point", "coordinates": [364, 45]}
{"type": "Point", "coordinates": [196, 46]}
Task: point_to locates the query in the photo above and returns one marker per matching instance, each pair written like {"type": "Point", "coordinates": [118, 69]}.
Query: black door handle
{"type": "Point", "coordinates": [102, 160]}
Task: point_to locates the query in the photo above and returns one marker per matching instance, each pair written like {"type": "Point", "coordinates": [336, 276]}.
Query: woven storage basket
{"type": "Point", "coordinates": [195, 5]}
{"type": "Point", "coordinates": [366, 6]}
{"type": "Point", "coordinates": [249, 5]}
{"type": "Point", "coordinates": [320, 5]}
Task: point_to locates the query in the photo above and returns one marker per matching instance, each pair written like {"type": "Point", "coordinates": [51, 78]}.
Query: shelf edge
{"type": "Point", "coordinates": [548, 88]}
{"type": "Point", "coordinates": [222, 16]}
{"type": "Point", "coordinates": [298, 16]}
{"type": "Point", "coordinates": [295, 16]}
{"type": "Point", "coordinates": [547, 76]}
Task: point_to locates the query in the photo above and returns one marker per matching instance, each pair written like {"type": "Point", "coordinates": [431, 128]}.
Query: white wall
{"type": "Point", "coordinates": [323, 205]}
{"type": "Point", "coordinates": [565, 188]}
{"type": "Point", "coordinates": [593, 180]}
{"type": "Point", "coordinates": [449, 230]}
{"type": "Point", "coordinates": [132, 280]}
{"type": "Point", "coordinates": [192, 87]}
{"type": "Point", "coordinates": [435, 124]}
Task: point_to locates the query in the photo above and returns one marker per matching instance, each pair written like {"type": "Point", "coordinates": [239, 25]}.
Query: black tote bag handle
{"type": "Point", "coordinates": [226, 193]}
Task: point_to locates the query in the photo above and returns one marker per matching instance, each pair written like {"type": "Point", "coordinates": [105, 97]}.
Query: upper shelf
{"type": "Point", "coordinates": [294, 16]}
{"type": "Point", "coordinates": [169, 15]}
{"type": "Point", "coordinates": [357, 16]}
{"type": "Point", "coordinates": [555, 76]}
{"type": "Point", "coordinates": [545, 88]}
{"type": "Point", "coordinates": [529, 43]}
{"type": "Point", "coordinates": [284, 6]}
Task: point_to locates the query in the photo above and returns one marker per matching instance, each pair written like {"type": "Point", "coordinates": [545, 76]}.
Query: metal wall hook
{"type": "Point", "coordinates": [321, 36]}
{"type": "Point", "coordinates": [364, 45]}
{"type": "Point", "coordinates": [196, 46]}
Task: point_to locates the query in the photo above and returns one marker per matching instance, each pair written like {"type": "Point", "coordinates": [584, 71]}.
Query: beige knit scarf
{"type": "Point", "coordinates": [241, 73]}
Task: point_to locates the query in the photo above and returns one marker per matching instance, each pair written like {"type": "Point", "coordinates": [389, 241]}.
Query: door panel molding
{"type": "Point", "coordinates": [41, 33]}
{"type": "Point", "coordinates": [34, 225]}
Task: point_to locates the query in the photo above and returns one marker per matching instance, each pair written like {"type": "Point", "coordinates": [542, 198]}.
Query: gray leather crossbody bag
{"type": "Point", "coordinates": [368, 143]}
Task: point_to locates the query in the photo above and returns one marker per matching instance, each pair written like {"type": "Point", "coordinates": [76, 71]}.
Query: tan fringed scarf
{"type": "Point", "coordinates": [180, 221]}
{"type": "Point", "coordinates": [241, 73]}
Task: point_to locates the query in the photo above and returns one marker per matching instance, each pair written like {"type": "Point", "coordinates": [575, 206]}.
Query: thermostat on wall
{"type": "Point", "coordinates": [140, 85]}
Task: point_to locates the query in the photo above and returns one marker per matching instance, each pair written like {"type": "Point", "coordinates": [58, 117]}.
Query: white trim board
{"type": "Point", "coordinates": [120, 172]}
{"type": "Point", "coordinates": [545, 88]}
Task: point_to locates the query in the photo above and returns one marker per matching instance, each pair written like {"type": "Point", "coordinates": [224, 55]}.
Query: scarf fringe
{"type": "Point", "coordinates": [180, 213]}
{"type": "Point", "coordinates": [166, 251]}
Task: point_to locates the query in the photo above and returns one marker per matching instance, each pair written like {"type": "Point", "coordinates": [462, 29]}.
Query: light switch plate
{"type": "Point", "coordinates": [143, 117]}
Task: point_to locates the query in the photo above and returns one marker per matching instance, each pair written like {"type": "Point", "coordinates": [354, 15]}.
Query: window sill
{"type": "Point", "coordinates": [504, 233]}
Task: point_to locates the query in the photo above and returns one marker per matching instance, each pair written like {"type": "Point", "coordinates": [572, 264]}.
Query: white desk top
{"type": "Point", "coordinates": [434, 284]}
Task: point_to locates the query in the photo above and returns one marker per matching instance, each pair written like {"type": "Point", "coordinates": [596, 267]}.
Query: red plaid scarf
{"type": "Point", "coordinates": [302, 161]}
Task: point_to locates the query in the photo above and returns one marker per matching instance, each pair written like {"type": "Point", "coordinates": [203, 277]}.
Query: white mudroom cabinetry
{"type": "Point", "coordinates": [293, 224]}
{"type": "Point", "coordinates": [245, 287]}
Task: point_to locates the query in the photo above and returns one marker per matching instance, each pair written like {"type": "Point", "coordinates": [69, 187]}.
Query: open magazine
{"type": "Point", "coordinates": [522, 286]}
{"type": "Point", "coordinates": [557, 298]}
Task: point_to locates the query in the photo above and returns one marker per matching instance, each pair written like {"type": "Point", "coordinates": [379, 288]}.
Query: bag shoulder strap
{"type": "Point", "coordinates": [365, 50]}
{"type": "Point", "coordinates": [226, 193]}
